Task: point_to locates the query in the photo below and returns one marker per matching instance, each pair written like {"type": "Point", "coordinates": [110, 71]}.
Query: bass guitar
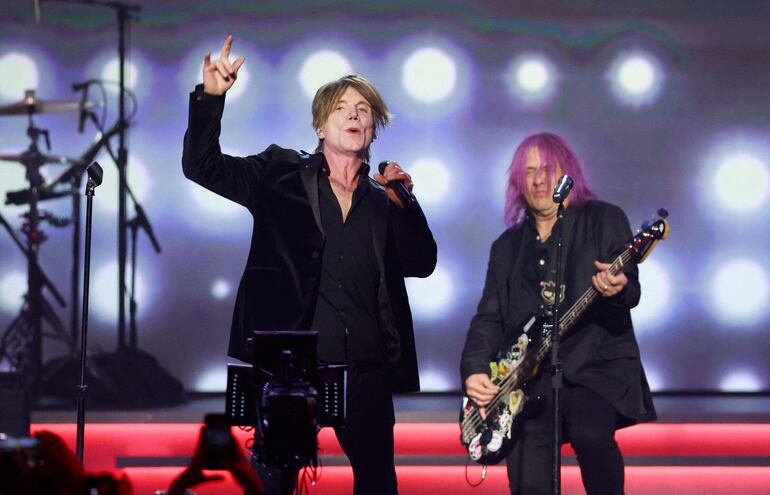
{"type": "Point", "coordinates": [490, 439]}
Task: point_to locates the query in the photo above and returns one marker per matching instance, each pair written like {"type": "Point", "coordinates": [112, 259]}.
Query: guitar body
{"type": "Point", "coordinates": [490, 440]}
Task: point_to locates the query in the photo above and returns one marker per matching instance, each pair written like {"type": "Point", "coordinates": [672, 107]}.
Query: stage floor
{"type": "Point", "coordinates": [441, 408]}
{"type": "Point", "coordinates": [702, 444]}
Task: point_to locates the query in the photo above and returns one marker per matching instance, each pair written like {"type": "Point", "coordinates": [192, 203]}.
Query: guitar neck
{"type": "Point", "coordinates": [568, 320]}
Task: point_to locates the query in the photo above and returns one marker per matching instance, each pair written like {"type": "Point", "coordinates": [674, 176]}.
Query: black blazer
{"type": "Point", "coordinates": [279, 287]}
{"type": "Point", "coordinates": [600, 352]}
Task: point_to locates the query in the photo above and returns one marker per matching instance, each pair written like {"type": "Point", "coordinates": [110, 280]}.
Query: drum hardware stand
{"type": "Point", "coordinates": [26, 331]}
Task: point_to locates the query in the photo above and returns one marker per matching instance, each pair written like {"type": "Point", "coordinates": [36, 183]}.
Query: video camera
{"type": "Point", "coordinates": [286, 396]}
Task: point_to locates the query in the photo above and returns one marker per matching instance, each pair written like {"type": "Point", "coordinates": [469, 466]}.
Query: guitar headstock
{"type": "Point", "coordinates": [651, 232]}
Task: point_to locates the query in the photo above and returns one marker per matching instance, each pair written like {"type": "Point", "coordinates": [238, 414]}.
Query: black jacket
{"type": "Point", "coordinates": [279, 287]}
{"type": "Point", "coordinates": [600, 352]}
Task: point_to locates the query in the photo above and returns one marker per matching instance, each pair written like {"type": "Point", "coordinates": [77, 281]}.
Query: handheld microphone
{"type": "Point", "coordinates": [403, 192]}
{"type": "Point", "coordinates": [562, 189]}
{"type": "Point", "coordinates": [95, 173]}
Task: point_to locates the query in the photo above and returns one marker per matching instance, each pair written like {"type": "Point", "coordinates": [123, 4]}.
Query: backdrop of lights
{"type": "Point", "coordinates": [658, 114]}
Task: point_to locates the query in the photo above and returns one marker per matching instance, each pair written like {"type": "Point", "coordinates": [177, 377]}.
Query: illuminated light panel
{"type": "Point", "coordinates": [138, 180]}
{"type": "Point", "coordinates": [25, 75]}
{"type": "Point", "coordinates": [12, 178]}
{"type": "Point", "coordinates": [13, 286]}
{"type": "Point", "coordinates": [432, 380]}
{"type": "Point", "coordinates": [636, 78]}
{"type": "Point", "coordinates": [220, 289]}
{"type": "Point", "coordinates": [430, 297]}
{"type": "Point", "coordinates": [654, 307]}
{"type": "Point", "coordinates": [211, 204]}
{"type": "Point", "coordinates": [111, 72]}
{"type": "Point", "coordinates": [432, 180]}
{"type": "Point", "coordinates": [654, 378]}
{"type": "Point", "coordinates": [532, 78]}
{"type": "Point", "coordinates": [321, 67]}
{"type": "Point", "coordinates": [429, 75]}
{"type": "Point", "coordinates": [742, 182]}
{"type": "Point", "coordinates": [739, 292]}
{"type": "Point", "coordinates": [213, 379]}
{"type": "Point", "coordinates": [740, 381]}
{"type": "Point", "coordinates": [103, 302]}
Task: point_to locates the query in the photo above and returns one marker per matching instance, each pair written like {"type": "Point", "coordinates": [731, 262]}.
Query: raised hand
{"type": "Point", "coordinates": [220, 75]}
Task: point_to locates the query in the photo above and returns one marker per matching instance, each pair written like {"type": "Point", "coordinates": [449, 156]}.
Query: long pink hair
{"type": "Point", "coordinates": [554, 151]}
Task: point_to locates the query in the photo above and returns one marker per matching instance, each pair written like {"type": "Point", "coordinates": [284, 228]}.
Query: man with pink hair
{"type": "Point", "coordinates": [604, 385]}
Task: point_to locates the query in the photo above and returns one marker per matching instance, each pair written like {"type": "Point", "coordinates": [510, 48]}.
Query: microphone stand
{"type": "Point", "coordinates": [139, 221]}
{"type": "Point", "coordinates": [556, 369]}
{"type": "Point", "coordinates": [94, 179]}
{"type": "Point", "coordinates": [124, 13]}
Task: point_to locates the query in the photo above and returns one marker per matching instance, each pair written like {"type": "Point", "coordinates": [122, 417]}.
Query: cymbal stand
{"type": "Point", "coordinates": [22, 343]}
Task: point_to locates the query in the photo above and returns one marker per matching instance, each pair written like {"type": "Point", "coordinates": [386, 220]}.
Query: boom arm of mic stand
{"type": "Point", "coordinates": [86, 158]}
{"type": "Point", "coordinates": [144, 223]}
{"type": "Point", "coordinates": [141, 217]}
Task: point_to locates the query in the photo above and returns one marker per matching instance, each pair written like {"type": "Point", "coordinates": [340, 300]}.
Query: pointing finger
{"type": "Point", "coordinates": [226, 47]}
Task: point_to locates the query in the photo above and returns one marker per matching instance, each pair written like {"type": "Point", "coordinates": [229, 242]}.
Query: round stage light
{"type": "Point", "coordinates": [429, 75]}
{"type": "Point", "coordinates": [742, 182]}
{"type": "Point", "coordinates": [654, 307]}
{"type": "Point", "coordinates": [13, 287]}
{"type": "Point", "coordinates": [111, 72]}
{"type": "Point", "coordinates": [321, 67]}
{"type": "Point", "coordinates": [25, 75]}
{"type": "Point", "coordinates": [532, 78]}
{"type": "Point", "coordinates": [220, 289]}
{"type": "Point", "coordinates": [431, 297]}
{"type": "Point", "coordinates": [739, 292]}
{"type": "Point", "coordinates": [103, 299]}
{"type": "Point", "coordinates": [636, 78]}
{"type": "Point", "coordinates": [740, 381]}
{"type": "Point", "coordinates": [636, 75]}
{"type": "Point", "coordinates": [432, 180]}
{"type": "Point", "coordinates": [532, 75]}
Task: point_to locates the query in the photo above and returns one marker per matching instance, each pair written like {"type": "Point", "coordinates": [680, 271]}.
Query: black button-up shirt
{"type": "Point", "coordinates": [346, 312]}
{"type": "Point", "coordinates": [538, 273]}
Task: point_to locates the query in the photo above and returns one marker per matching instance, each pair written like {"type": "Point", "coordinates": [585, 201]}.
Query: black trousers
{"type": "Point", "coordinates": [367, 437]}
{"type": "Point", "coordinates": [588, 422]}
